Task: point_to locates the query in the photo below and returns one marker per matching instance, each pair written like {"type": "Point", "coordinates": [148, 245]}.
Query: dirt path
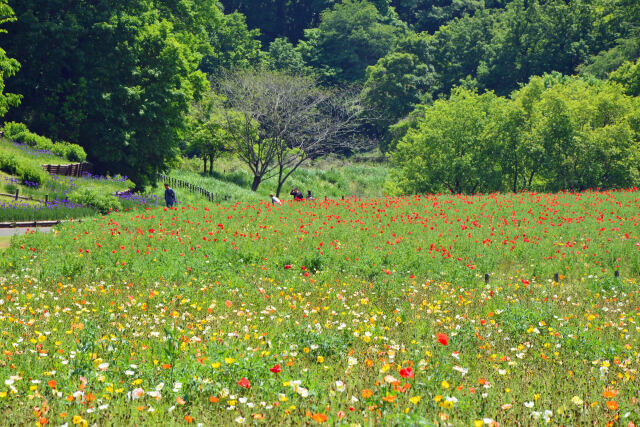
{"type": "Point", "coordinates": [22, 230]}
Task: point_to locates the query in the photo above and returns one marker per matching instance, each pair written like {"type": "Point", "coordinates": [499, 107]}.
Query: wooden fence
{"type": "Point", "coordinates": [174, 182]}
{"type": "Point", "coordinates": [75, 169]}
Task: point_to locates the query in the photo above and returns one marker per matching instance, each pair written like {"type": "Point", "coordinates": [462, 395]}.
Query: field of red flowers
{"type": "Point", "coordinates": [416, 310]}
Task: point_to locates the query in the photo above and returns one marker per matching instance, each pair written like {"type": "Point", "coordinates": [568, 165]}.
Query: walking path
{"type": "Point", "coordinates": [21, 230]}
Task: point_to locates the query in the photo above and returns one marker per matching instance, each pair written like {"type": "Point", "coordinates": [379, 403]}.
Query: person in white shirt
{"type": "Point", "coordinates": [275, 200]}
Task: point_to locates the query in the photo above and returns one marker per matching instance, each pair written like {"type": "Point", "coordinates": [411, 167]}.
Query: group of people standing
{"type": "Point", "coordinates": [297, 195]}
{"type": "Point", "coordinates": [170, 196]}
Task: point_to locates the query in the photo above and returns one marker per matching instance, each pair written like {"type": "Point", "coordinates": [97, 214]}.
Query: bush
{"type": "Point", "coordinates": [20, 133]}
{"type": "Point", "coordinates": [29, 173]}
{"type": "Point", "coordinates": [75, 153]}
{"type": "Point", "coordinates": [89, 197]}
{"type": "Point", "coordinates": [10, 165]}
{"type": "Point", "coordinates": [12, 129]}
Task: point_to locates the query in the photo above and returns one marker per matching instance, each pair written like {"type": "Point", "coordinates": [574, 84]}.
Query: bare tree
{"type": "Point", "coordinates": [277, 122]}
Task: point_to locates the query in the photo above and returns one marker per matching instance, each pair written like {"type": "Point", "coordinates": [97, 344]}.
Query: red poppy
{"type": "Point", "coordinates": [406, 372]}
{"type": "Point", "coordinates": [276, 369]}
{"type": "Point", "coordinates": [244, 383]}
{"type": "Point", "coordinates": [288, 266]}
{"type": "Point", "coordinates": [443, 339]}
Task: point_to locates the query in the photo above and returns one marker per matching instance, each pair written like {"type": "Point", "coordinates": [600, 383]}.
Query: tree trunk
{"type": "Point", "coordinates": [211, 165]}
{"type": "Point", "coordinates": [256, 182]}
{"type": "Point", "coordinates": [204, 159]}
{"type": "Point", "coordinates": [280, 182]}
{"type": "Point", "coordinates": [515, 175]}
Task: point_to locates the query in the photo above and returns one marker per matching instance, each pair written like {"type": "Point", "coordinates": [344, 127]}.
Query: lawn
{"type": "Point", "coordinates": [366, 311]}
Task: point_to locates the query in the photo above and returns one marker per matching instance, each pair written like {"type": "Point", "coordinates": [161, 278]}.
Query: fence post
{"type": "Point", "coordinates": [46, 199]}
{"type": "Point", "coordinates": [486, 277]}
{"type": "Point", "coordinates": [17, 192]}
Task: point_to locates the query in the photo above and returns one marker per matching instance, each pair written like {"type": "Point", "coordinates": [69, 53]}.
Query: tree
{"type": "Point", "coordinates": [276, 122]}
{"type": "Point", "coordinates": [206, 134]}
{"type": "Point", "coordinates": [8, 66]}
{"type": "Point", "coordinates": [628, 75]}
{"type": "Point", "coordinates": [555, 133]}
{"type": "Point", "coordinates": [430, 15]}
{"type": "Point", "coordinates": [279, 18]}
{"type": "Point", "coordinates": [283, 56]}
{"type": "Point", "coordinates": [398, 82]}
{"type": "Point", "coordinates": [116, 77]}
{"type": "Point", "coordinates": [583, 130]}
{"type": "Point", "coordinates": [448, 150]}
{"type": "Point", "coordinates": [351, 36]}
{"type": "Point", "coordinates": [234, 46]}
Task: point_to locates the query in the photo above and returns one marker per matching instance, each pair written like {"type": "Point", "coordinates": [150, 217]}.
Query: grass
{"type": "Point", "coordinates": [331, 178]}
{"type": "Point", "coordinates": [365, 311]}
{"type": "Point", "coordinates": [5, 242]}
{"type": "Point", "coordinates": [54, 188]}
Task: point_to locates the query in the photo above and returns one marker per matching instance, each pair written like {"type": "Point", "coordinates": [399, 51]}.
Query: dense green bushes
{"type": "Point", "coordinates": [24, 172]}
{"type": "Point", "coordinates": [100, 201]}
{"type": "Point", "coordinates": [19, 132]}
{"type": "Point", "coordinates": [555, 133]}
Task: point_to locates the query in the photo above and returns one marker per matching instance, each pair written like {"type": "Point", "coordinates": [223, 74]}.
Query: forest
{"type": "Point", "coordinates": [460, 96]}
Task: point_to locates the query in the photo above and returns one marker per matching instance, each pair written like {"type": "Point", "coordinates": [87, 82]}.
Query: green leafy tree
{"type": "Point", "coordinates": [584, 130]}
{"type": "Point", "coordinates": [279, 18]}
{"type": "Point", "coordinates": [284, 56]}
{"type": "Point", "coordinates": [430, 15]}
{"type": "Point", "coordinates": [351, 36]}
{"type": "Point", "coordinates": [628, 75]}
{"type": "Point", "coordinates": [8, 66]}
{"type": "Point", "coordinates": [207, 133]}
{"type": "Point", "coordinates": [117, 77]}
{"type": "Point", "coordinates": [448, 150]}
{"type": "Point", "coordinates": [234, 46]}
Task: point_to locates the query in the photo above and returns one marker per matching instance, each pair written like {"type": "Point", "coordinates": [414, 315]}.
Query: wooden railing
{"type": "Point", "coordinates": [174, 182]}
{"type": "Point", "coordinates": [75, 169]}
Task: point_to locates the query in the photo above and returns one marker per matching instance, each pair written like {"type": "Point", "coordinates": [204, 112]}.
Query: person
{"type": "Point", "coordinates": [297, 195]}
{"type": "Point", "coordinates": [275, 200]}
{"type": "Point", "coordinates": [309, 196]}
{"type": "Point", "coordinates": [169, 196]}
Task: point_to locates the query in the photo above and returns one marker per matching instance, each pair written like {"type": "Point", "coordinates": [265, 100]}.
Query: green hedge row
{"type": "Point", "coordinates": [20, 133]}
{"type": "Point", "coordinates": [10, 165]}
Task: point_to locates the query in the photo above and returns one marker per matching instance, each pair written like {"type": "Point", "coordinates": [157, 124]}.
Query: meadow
{"type": "Point", "coordinates": [357, 311]}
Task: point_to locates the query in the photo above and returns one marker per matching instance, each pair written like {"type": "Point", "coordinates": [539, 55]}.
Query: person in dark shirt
{"type": "Point", "coordinates": [169, 196]}
{"type": "Point", "coordinates": [297, 194]}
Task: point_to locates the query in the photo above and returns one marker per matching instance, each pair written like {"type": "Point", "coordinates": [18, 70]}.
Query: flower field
{"type": "Point", "coordinates": [357, 311]}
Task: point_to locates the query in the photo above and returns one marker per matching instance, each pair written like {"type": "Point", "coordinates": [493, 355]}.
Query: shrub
{"type": "Point", "coordinates": [30, 173]}
{"type": "Point", "coordinates": [75, 153]}
{"type": "Point", "coordinates": [13, 129]}
{"type": "Point", "coordinates": [20, 133]}
{"type": "Point", "coordinates": [89, 197]}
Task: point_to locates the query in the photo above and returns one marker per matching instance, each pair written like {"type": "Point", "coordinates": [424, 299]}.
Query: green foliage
{"type": "Point", "coordinates": [8, 66]}
{"type": "Point", "coordinates": [12, 129]}
{"type": "Point", "coordinates": [448, 150]}
{"type": "Point", "coordinates": [351, 36]}
{"type": "Point", "coordinates": [628, 75]}
{"type": "Point", "coordinates": [399, 81]}
{"type": "Point", "coordinates": [23, 171]}
{"type": "Point", "coordinates": [279, 18]}
{"type": "Point", "coordinates": [283, 56]}
{"type": "Point", "coordinates": [430, 15]}
{"type": "Point", "coordinates": [206, 133]}
{"type": "Point", "coordinates": [93, 198]}
{"type": "Point", "coordinates": [234, 46]}
{"type": "Point", "coordinates": [555, 133]}
{"type": "Point", "coordinates": [20, 133]}
{"type": "Point", "coordinates": [118, 78]}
